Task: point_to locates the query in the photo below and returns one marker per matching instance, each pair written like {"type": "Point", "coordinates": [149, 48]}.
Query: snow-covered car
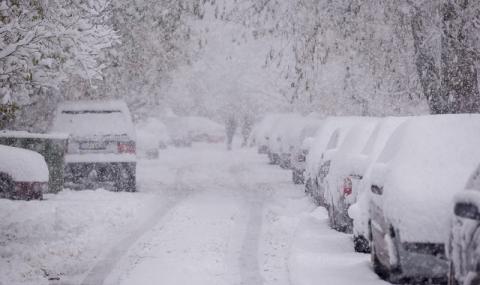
{"type": "Point", "coordinates": [101, 149]}
{"type": "Point", "coordinates": [426, 161]}
{"type": "Point", "coordinates": [345, 174]}
{"type": "Point", "coordinates": [360, 170]}
{"type": "Point", "coordinates": [187, 130]}
{"type": "Point", "coordinates": [23, 174]}
{"type": "Point", "coordinates": [300, 147]}
{"type": "Point", "coordinates": [261, 133]}
{"type": "Point", "coordinates": [292, 132]}
{"type": "Point", "coordinates": [298, 160]}
{"type": "Point", "coordinates": [152, 135]}
{"type": "Point", "coordinates": [464, 241]}
{"type": "Point", "coordinates": [284, 124]}
{"type": "Point", "coordinates": [328, 137]}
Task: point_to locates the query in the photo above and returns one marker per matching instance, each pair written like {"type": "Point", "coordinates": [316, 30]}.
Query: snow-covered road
{"type": "Point", "coordinates": [202, 216]}
{"type": "Point", "coordinates": [231, 219]}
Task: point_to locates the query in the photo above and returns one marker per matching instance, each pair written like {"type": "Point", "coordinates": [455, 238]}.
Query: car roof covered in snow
{"type": "Point", "coordinates": [424, 163]}
{"type": "Point", "coordinates": [23, 165]}
{"type": "Point", "coordinates": [330, 127]}
{"type": "Point", "coordinates": [94, 118]}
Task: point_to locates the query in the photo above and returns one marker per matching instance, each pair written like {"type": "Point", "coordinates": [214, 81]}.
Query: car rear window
{"type": "Point", "coordinates": [84, 123]}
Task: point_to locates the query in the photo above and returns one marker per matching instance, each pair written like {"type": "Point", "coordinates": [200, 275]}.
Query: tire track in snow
{"type": "Point", "coordinates": [254, 199]}
{"type": "Point", "coordinates": [106, 265]}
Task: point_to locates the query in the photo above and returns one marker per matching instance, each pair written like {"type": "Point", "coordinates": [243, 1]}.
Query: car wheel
{"type": "Point", "coordinates": [308, 186]}
{"type": "Point", "coordinates": [296, 177]}
{"type": "Point", "coordinates": [378, 267]}
{"type": "Point", "coordinates": [361, 244]}
{"type": "Point", "coordinates": [452, 280]}
{"type": "Point", "coordinates": [7, 186]}
{"type": "Point", "coordinates": [126, 178]}
{"type": "Point", "coordinates": [391, 275]}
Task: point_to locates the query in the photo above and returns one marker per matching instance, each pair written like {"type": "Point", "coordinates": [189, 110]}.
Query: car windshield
{"type": "Point", "coordinates": [92, 122]}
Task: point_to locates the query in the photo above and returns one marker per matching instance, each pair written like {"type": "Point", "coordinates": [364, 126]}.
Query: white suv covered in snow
{"type": "Point", "coordinates": [101, 147]}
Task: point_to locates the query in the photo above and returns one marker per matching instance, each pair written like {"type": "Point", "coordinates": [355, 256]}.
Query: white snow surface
{"type": "Point", "coordinates": [193, 126]}
{"type": "Point", "coordinates": [117, 121]}
{"type": "Point", "coordinates": [425, 162]}
{"type": "Point", "coordinates": [320, 255]}
{"type": "Point", "coordinates": [23, 165]}
{"type": "Point", "coordinates": [202, 216]}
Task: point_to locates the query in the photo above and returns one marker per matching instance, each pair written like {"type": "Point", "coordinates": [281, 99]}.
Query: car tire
{"type": "Point", "coordinates": [308, 187]}
{"type": "Point", "coordinates": [7, 186]}
{"type": "Point", "coordinates": [296, 177]}
{"type": "Point", "coordinates": [393, 276]}
{"type": "Point", "coordinates": [451, 274]}
{"type": "Point", "coordinates": [126, 178]}
{"type": "Point", "coordinates": [361, 244]}
{"type": "Point", "coordinates": [378, 267]}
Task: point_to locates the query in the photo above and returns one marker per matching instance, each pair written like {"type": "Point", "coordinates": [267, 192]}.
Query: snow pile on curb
{"type": "Point", "coordinates": [65, 235]}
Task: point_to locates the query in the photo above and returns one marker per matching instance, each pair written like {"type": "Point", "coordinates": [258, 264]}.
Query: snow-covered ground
{"type": "Point", "coordinates": [202, 216]}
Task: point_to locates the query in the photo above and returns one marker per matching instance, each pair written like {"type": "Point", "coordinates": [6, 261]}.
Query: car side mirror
{"type": "Point", "coordinates": [467, 210]}
{"type": "Point", "coordinates": [377, 190]}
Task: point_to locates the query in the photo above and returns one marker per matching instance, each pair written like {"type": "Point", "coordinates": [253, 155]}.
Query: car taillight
{"type": "Point", "coordinates": [347, 186]}
{"type": "Point", "coordinates": [126, 147]}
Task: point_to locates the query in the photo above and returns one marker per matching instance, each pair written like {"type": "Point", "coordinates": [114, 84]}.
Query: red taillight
{"type": "Point", "coordinates": [347, 186]}
{"type": "Point", "coordinates": [126, 147]}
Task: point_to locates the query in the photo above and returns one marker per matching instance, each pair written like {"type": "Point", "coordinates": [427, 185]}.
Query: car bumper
{"type": "Point", "coordinates": [92, 175]}
{"type": "Point", "coordinates": [423, 260]}
{"type": "Point", "coordinates": [100, 158]}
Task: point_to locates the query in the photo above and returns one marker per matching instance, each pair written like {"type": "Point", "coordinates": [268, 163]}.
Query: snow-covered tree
{"type": "Point", "coordinates": [47, 45]}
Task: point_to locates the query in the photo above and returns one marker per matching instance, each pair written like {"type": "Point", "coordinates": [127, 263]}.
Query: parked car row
{"type": "Point", "coordinates": [407, 188]}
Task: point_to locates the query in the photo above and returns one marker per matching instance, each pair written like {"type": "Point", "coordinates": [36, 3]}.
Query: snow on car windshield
{"type": "Point", "coordinates": [92, 122]}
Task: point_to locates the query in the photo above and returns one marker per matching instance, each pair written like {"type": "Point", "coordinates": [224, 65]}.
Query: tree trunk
{"type": "Point", "coordinates": [459, 73]}
{"type": "Point", "coordinates": [427, 69]}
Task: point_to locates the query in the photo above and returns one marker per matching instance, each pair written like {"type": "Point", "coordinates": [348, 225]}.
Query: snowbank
{"type": "Point", "coordinates": [320, 255]}
{"type": "Point", "coordinates": [425, 162]}
{"type": "Point", "coordinates": [23, 165]}
{"type": "Point", "coordinates": [64, 235]}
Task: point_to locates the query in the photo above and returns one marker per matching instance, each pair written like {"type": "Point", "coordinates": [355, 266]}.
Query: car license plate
{"type": "Point", "coordinates": [92, 145]}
